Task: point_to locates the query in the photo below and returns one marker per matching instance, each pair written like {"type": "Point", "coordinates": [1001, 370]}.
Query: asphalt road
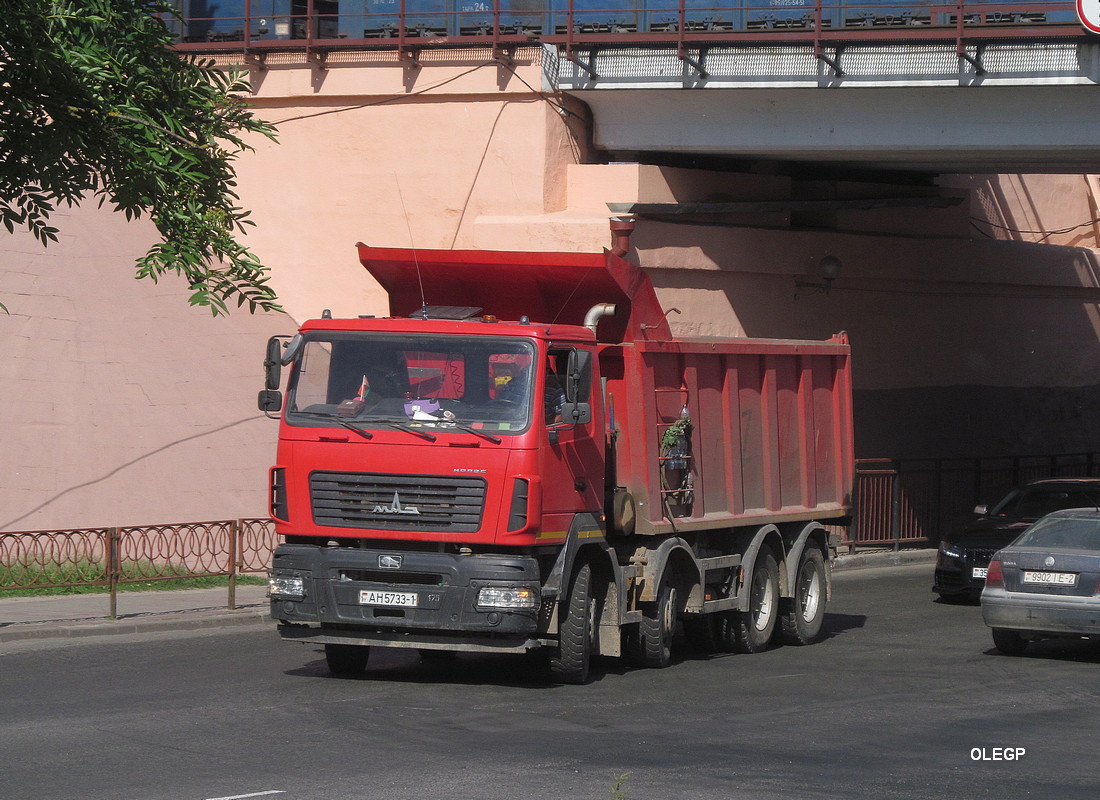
{"type": "Point", "coordinates": [905, 698]}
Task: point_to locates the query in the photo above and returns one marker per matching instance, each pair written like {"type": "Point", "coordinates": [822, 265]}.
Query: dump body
{"type": "Point", "coordinates": [771, 430]}
{"type": "Point", "coordinates": [540, 464]}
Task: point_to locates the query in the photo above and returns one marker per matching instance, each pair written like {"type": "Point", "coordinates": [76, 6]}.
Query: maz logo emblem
{"type": "Point", "coordinates": [395, 507]}
{"type": "Point", "coordinates": [390, 562]}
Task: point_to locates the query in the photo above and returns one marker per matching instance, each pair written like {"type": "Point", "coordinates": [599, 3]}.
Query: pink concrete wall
{"type": "Point", "coordinates": [124, 406]}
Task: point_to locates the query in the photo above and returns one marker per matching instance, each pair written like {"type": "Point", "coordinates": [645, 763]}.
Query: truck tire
{"type": "Point", "coordinates": [803, 614]}
{"type": "Point", "coordinates": [756, 626]}
{"type": "Point", "coordinates": [572, 659]}
{"type": "Point", "coordinates": [1009, 642]}
{"type": "Point", "coordinates": [655, 631]}
{"type": "Point", "coordinates": [346, 659]}
{"type": "Point", "coordinates": [727, 631]}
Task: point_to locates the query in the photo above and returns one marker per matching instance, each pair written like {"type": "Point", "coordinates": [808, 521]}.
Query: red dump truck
{"type": "Point", "coordinates": [540, 465]}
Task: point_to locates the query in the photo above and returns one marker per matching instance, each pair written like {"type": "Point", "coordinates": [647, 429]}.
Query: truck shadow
{"type": "Point", "coordinates": [530, 671]}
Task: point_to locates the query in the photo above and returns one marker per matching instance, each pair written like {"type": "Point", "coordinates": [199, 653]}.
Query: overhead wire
{"type": "Point", "coordinates": [1045, 234]}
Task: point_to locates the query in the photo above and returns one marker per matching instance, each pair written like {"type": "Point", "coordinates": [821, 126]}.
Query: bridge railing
{"type": "Point", "coordinates": [321, 26]}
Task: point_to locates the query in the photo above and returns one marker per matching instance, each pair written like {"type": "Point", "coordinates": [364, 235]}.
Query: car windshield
{"type": "Point", "coordinates": [378, 381]}
{"type": "Point", "coordinates": [1074, 533]}
{"type": "Point", "coordinates": [1032, 502]}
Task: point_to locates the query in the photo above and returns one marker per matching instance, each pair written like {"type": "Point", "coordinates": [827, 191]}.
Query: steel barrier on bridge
{"type": "Point", "coordinates": [321, 26]}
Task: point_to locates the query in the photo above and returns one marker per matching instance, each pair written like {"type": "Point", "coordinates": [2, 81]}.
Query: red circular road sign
{"type": "Point", "coordinates": [1088, 11]}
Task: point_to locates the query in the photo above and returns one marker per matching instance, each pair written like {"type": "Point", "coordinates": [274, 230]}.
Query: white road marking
{"type": "Point", "coordinates": [254, 794]}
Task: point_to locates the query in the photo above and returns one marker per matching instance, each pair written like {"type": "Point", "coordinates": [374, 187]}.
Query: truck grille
{"type": "Point", "coordinates": [397, 502]}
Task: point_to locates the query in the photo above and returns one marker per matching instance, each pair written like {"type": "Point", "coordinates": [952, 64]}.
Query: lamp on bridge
{"type": "Point", "coordinates": [830, 270]}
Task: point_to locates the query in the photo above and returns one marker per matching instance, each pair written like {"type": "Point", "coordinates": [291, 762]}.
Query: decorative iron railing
{"type": "Point", "coordinates": [895, 503]}
{"type": "Point", "coordinates": [111, 557]}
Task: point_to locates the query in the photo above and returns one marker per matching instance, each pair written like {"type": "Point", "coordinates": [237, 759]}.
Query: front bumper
{"type": "Point", "coordinates": [954, 575]}
{"type": "Point", "coordinates": [335, 607]}
{"type": "Point", "coordinates": [1036, 613]}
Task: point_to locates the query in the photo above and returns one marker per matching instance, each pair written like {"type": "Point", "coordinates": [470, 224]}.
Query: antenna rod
{"type": "Point", "coordinates": [412, 245]}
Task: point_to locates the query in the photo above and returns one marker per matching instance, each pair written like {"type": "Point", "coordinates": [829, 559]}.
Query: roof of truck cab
{"type": "Point", "coordinates": [476, 326]}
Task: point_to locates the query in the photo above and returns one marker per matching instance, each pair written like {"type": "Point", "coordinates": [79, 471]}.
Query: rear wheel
{"type": "Point", "coordinates": [655, 631]}
{"type": "Point", "coordinates": [576, 631]}
{"type": "Point", "coordinates": [1009, 642]}
{"type": "Point", "coordinates": [346, 659]}
{"type": "Point", "coordinates": [801, 621]}
{"type": "Point", "coordinates": [756, 626]}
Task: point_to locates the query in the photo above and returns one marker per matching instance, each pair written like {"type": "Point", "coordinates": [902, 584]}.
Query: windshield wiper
{"type": "Point", "coordinates": [337, 420]}
{"type": "Point", "coordinates": [403, 427]}
{"type": "Point", "coordinates": [476, 432]}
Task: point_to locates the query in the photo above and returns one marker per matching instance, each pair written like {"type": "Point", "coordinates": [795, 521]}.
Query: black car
{"type": "Point", "coordinates": [964, 555]}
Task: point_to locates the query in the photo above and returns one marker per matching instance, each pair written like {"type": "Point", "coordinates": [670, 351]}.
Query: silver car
{"type": "Point", "coordinates": [1046, 583]}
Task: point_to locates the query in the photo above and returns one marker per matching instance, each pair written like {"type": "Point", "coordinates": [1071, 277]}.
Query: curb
{"type": "Point", "coordinates": [890, 558]}
{"type": "Point", "coordinates": [141, 623]}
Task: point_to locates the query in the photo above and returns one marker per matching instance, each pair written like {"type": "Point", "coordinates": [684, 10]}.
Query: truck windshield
{"type": "Point", "coordinates": [427, 383]}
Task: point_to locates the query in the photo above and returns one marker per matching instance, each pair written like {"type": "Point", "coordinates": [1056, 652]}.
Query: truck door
{"type": "Point", "coordinates": [572, 456]}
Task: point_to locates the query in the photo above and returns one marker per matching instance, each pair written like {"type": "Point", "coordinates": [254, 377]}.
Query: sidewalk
{"type": "Point", "coordinates": [74, 615]}
{"type": "Point", "coordinates": [79, 615]}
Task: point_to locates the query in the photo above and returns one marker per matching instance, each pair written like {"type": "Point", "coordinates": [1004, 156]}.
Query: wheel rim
{"type": "Point", "coordinates": [669, 616]}
{"type": "Point", "coordinates": [591, 625]}
{"type": "Point", "coordinates": [810, 595]}
{"type": "Point", "coordinates": [763, 593]}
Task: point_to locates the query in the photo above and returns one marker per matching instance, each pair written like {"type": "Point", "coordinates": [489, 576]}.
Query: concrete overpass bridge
{"type": "Point", "coordinates": [874, 84]}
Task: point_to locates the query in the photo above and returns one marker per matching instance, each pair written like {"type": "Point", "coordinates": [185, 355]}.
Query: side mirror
{"type": "Point", "coordinates": [270, 401]}
{"type": "Point", "coordinates": [273, 363]}
{"type": "Point", "coordinates": [576, 413]}
{"type": "Point", "coordinates": [578, 379]}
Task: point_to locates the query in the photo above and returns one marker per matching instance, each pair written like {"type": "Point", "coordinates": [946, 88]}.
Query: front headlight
{"type": "Point", "coordinates": [286, 584]}
{"type": "Point", "coordinates": [952, 550]}
{"type": "Point", "coordinates": [508, 597]}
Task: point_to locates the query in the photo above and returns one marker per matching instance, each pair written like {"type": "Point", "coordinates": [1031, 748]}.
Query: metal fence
{"type": "Point", "coordinates": [111, 557]}
{"type": "Point", "coordinates": [896, 502]}
{"type": "Point", "coordinates": [906, 502]}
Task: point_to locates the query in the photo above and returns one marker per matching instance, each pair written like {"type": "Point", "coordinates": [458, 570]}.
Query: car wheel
{"type": "Point", "coordinates": [570, 663]}
{"type": "Point", "coordinates": [346, 659]}
{"type": "Point", "coordinates": [1009, 642]}
{"type": "Point", "coordinates": [756, 626]}
{"type": "Point", "coordinates": [801, 620]}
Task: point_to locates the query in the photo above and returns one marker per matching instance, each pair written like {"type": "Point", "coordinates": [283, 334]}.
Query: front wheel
{"type": "Point", "coordinates": [346, 659]}
{"type": "Point", "coordinates": [576, 631]}
{"type": "Point", "coordinates": [756, 626]}
{"type": "Point", "coordinates": [1009, 642]}
{"type": "Point", "coordinates": [801, 621]}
